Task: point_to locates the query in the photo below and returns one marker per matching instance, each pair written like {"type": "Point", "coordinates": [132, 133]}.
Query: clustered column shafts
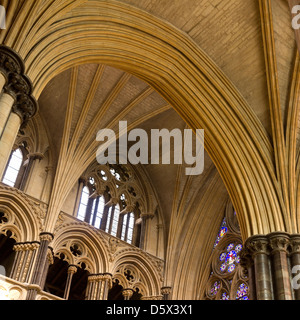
{"type": "Point", "coordinates": [71, 271]}
{"type": "Point", "coordinates": [269, 260]}
{"type": "Point", "coordinates": [24, 260]}
{"type": "Point", "coordinates": [99, 286]}
{"type": "Point", "coordinates": [17, 105]}
{"type": "Point", "coordinates": [295, 257]}
{"type": "Point", "coordinates": [41, 266]}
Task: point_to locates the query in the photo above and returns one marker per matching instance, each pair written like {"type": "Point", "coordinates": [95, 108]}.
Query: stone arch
{"type": "Point", "coordinates": [94, 254]}
{"type": "Point", "coordinates": [185, 76]}
{"type": "Point", "coordinates": [146, 277]}
{"type": "Point", "coordinates": [24, 218]}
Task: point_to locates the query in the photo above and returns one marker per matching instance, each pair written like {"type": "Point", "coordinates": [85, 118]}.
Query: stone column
{"type": "Point", "coordinates": [40, 265]}
{"type": "Point", "coordinates": [48, 263]}
{"type": "Point", "coordinates": [17, 105]}
{"type": "Point", "coordinates": [8, 138]}
{"type": "Point", "coordinates": [295, 259]}
{"type": "Point", "coordinates": [127, 294]}
{"type": "Point", "coordinates": [166, 293]}
{"type": "Point", "coordinates": [258, 249]}
{"type": "Point", "coordinates": [145, 217]}
{"type": "Point", "coordinates": [6, 103]}
{"type": "Point", "coordinates": [107, 280]}
{"type": "Point", "coordinates": [279, 243]}
{"type": "Point", "coordinates": [24, 260]}
{"type": "Point", "coordinates": [32, 157]}
{"type": "Point", "coordinates": [99, 286]}
{"type": "Point", "coordinates": [3, 80]}
{"type": "Point", "coordinates": [71, 271]}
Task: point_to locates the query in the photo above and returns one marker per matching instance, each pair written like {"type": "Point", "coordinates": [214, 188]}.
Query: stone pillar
{"type": "Point", "coordinates": [71, 271]}
{"type": "Point", "coordinates": [259, 252]}
{"type": "Point", "coordinates": [166, 293]}
{"type": "Point", "coordinates": [279, 243]}
{"type": "Point", "coordinates": [40, 265]}
{"type": "Point", "coordinates": [17, 105]}
{"type": "Point", "coordinates": [8, 138]}
{"type": "Point", "coordinates": [48, 263]}
{"type": "Point", "coordinates": [24, 260]}
{"type": "Point", "coordinates": [145, 218]}
{"type": "Point", "coordinates": [127, 294]}
{"type": "Point", "coordinates": [6, 103]}
{"type": "Point", "coordinates": [273, 256]}
{"type": "Point", "coordinates": [99, 286]}
{"type": "Point", "coordinates": [32, 157]}
{"type": "Point", "coordinates": [3, 80]}
{"type": "Point", "coordinates": [295, 259]}
{"type": "Point", "coordinates": [107, 280]}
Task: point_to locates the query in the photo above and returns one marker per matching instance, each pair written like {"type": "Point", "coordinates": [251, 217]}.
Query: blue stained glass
{"type": "Point", "coordinates": [231, 268]}
{"type": "Point", "coordinates": [215, 288]}
{"type": "Point", "coordinates": [242, 292]}
{"type": "Point", "coordinates": [223, 267]}
{"type": "Point", "coordinates": [222, 232]}
{"type": "Point", "coordinates": [230, 247]}
{"type": "Point", "coordinates": [223, 256]}
{"type": "Point", "coordinates": [238, 248]}
{"type": "Point", "coordinates": [225, 296]}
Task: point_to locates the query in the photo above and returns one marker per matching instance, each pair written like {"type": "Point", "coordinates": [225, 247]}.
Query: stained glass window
{"type": "Point", "coordinates": [242, 292]}
{"type": "Point", "coordinates": [215, 288]}
{"type": "Point", "coordinates": [227, 280]}
{"type": "Point", "coordinates": [222, 232]}
{"type": "Point", "coordinates": [230, 258]}
{"type": "Point", "coordinates": [225, 296]}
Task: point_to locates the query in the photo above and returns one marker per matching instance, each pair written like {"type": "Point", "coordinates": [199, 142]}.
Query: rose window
{"type": "Point", "coordinates": [230, 258]}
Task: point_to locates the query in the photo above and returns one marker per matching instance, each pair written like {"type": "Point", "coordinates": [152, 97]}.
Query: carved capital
{"type": "Point", "coordinates": [257, 245]}
{"type": "Point", "coordinates": [146, 216]}
{"type": "Point", "coordinates": [295, 244]}
{"type": "Point", "coordinates": [45, 236]}
{"type": "Point", "coordinates": [166, 291]}
{"type": "Point", "coordinates": [10, 61]}
{"type": "Point", "coordinates": [17, 84]}
{"type": "Point", "coordinates": [36, 156]}
{"type": "Point", "coordinates": [72, 269]}
{"type": "Point", "coordinates": [127, 293]}
{"type": "Point", "coordinates": [279, 241]}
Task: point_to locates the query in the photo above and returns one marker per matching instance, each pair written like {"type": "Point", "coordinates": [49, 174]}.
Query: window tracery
{"type": "Point", "coordinates": [111, 200]}
{"type": "Point", "coordinates": [227, 280]}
